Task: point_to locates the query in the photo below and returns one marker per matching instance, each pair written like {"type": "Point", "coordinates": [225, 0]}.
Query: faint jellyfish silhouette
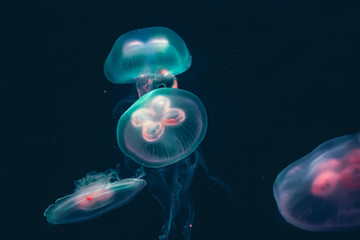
{"type": "Point", "coordinates": [321, 191]}
{"type": "Point", "coordinates": [94, 195]}
{"type": "Point", "coordinates": [149, 57]}
{"type": "Point", "coordinates": [163, 127]}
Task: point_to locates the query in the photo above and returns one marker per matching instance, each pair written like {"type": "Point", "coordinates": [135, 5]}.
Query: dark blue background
{"type": "Point", "coordinates": [277, 78]}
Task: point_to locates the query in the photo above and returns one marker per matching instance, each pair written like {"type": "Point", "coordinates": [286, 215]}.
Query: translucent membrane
{"type": "Point", "coordinates": [321, 191]}
{"type": "Point", "coordinates": [149, 53]}
{"type": "Point", "coordinates": [162, 127]}
{"type": "Point", "coordinates": [95, 195]}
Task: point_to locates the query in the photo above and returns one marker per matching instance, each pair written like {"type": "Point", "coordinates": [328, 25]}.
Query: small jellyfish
{"type": "Point", "coordinates": [321, 191]}
{"type": "Point", "coordinates": [94, 195]}
{"type": "Point", "coordinates": [149, 57]}
{"type": "Point", "coordinates": [162, 127]}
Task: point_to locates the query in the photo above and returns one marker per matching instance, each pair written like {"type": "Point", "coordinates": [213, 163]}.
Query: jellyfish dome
{"type": "Point", "coordinates": [152, 52]}
{"type": "Point", "coordinates": [95, 195]}
{"type": "Point", "coordinates": [321, 191]}
{"type": "Point", "coordinates": [162, 127]}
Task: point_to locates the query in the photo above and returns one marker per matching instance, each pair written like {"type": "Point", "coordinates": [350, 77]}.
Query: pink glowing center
{"type": "Point", "coordinates": [332, 172]}
{"type": "Point", "coordinates": [153, 120]}
{"type": "Point", "coordinates": [93, 196]}
{"type": "Point", "coordinates": [325, 184]}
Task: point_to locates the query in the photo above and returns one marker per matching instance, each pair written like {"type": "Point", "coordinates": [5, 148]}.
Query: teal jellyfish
{"type": "Point", "coordinates": [95, 195]}
{"type": "Point", "coordinates": [149, 57]}
{"type": "Point", "coordinates": [162, 127]}
{"type": "Point", "coordinates": [321, 191]}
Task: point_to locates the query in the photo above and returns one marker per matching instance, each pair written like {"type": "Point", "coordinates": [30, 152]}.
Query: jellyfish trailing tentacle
{"type": "Point", "coordinates": [170, 186]}
{"type": "Point", "coordinates": [231, 194]}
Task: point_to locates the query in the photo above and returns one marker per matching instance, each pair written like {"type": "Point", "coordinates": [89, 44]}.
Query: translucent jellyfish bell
{"type": "Point", "coordinates": [95, 195]}
{"type": "Point", "coordinates": [321, 191]}
{"type": "Point", "coordinates": [162, 127]}
{"type": "Point", "coordinates": [149, 57]}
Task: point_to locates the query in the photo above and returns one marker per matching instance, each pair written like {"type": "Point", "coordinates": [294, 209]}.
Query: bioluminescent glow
{"type": "Point", "coordinates": [94, 195]}
{"type": "Point", "coordinates": [321, 191]}
{"type": "Point", "coordinates": [149, 57]}
{"type": "Point", "coordinates": [153, 120]}
{"type": "Point", "coordinates": [159, 135]}
{"type": "Point", "coordinates": [162, 127]}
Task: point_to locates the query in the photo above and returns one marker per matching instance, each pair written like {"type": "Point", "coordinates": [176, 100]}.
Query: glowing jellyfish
{"type": "Point", "coordinates": [162, 127]}
{"type": "Point", "coordinates": [95, 195]}
{"type": "Point", "coordinates": [149, 57]}
{"type": "Point", "coordinates": [321, 191]}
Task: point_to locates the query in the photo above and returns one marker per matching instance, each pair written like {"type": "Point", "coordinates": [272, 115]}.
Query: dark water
{"type": "Point", "coordinates": [277, 78]}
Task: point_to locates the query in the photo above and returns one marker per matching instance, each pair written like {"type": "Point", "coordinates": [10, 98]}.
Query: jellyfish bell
{"type": "Point", "coordinates": [162, 127]}
{"type": "Point", "coordinates": [149, 57]}
{"type": "Point", "coordinates": [145, 52]}
{"type": "Point", "coordinates": [323, 194]}
{"type": "Point", "coordinates": [94, 195]}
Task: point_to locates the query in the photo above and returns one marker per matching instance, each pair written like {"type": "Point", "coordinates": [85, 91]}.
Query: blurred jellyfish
{"type": "Point", "coordinates": [321, 191]}
{"type": "Point", "coordinates": [149, 57]}
{"type": "Point", "coordinates": [163, 127]}
{"type": "Point", "coordinates": [94, 195]}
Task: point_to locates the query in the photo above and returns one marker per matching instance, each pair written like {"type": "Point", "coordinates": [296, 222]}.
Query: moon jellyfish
{"type": "Point", "coordinates": [94, 195]}
{"type": "Point", "coordinates": [162, 127]}
{"type": "Point", "coordinates": [159, 134]}
{"type": "Point", "coordinates": [149, 57]}
{"type": "Point", "coordinates": [321, 191]}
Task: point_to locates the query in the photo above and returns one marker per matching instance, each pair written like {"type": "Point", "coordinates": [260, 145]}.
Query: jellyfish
{"type": "Point", "coordinates": [149, 57]}
{"type": "Point", "coordinates": [321, 191]}
{"type": "Point", "coordinates": [162, 127]}
{"type": "Point", "coordinates": [159, 134]}
{"type": "Point", "coordinates": [94, 195]}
